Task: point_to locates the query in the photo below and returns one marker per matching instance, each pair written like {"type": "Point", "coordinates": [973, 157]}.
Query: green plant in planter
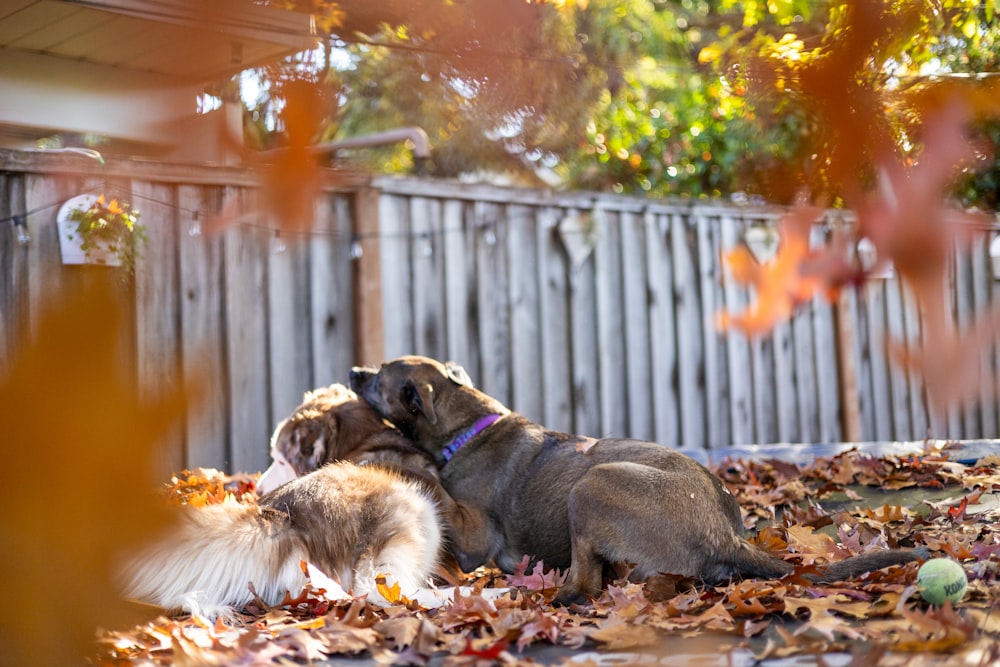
{"type": "Point", "coordinates": [110, 226]}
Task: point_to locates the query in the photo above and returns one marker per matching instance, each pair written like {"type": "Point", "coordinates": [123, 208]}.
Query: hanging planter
{"type": "Point", "coordinates": [95, 231]}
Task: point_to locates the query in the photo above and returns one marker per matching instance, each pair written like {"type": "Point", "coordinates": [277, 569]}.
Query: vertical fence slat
{"type": "Point", "coordinates": [717, 403]}
{"type": "Point", "coordinates": [784, 383]}
{"type": "Point", "coordinates": [979, 259]}
{"type": "Point", "coordinates": [953, 411]}
{"type": "Point", "coordinates": [659, 230]}
{"type": "Point", "coordinates": [158, 309]}
{"type": "Point", "coordinates": [636, 327]}
{"type": "Point", "coordinates": [556, 340]}
{"type": "Point", "coordinates": [610, 317]}
{"type": "Point", "coordinates": [874, 297]}
{"type": "Point", "coordinates": [10, 319]}
{"type": "Point", "coordinates": [917, 395]}
{"type": "Point", "coordinates": [965, 317]}
{"type": "Point", "coordinates": [494, 312]}
{"type": "Point", "coordinates": [289, 349]}
{"type": "Point", "coordinates": [690, 350]}
{"type": "Point", "coordinates": [428, 277]}
{"type": "Point", "coordinates": [585, 376]}
{"type": "Point", "coordinates": [319, 259]}
{"type": "Point", "coordinates": [397, 279]}
{"type": "Point", "coordinates": [804, 371]}
{"type": "Point", "coordinates": [739, 371]}
{"type": "Point", "coordinates": [365, 296]}
{"type": "Point", "coordinates": [855, 309]}
{"type": "Point", "coordinates": [203, 348]}
{"type": "Point", "coordinates": [245, 256]}
{"type": "Point", "coordinates": [526, 358]}
{"type": "Point", "coordinates": [992, 290]}
{"type": "Point", "coordinates": [43, 195]}
{"type": "Point", "coordinates": [898, 380]}
{"type": "Point", "coordinates": [14, 301]}
{"type": "Point", "coordinates": [764, 398]}
{"type": "Point", "coordinates": [827, 357]}
{"type": "Point", "coordinates": [459, 277]}
{"type": "Point", "coordinates": [331, 292]}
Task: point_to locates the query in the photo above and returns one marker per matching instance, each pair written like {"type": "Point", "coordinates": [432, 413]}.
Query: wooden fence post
{"type": "Point", "coordinates": [369, 337]}
{"type": "Point", "coordinates": [849, 398]}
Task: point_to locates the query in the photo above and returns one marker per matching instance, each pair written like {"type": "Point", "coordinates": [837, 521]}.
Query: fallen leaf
{"type": "Point", "coordinates": [811, 545]}
{"type": "Point", "coordinates": [615, 634]}
{"type": "Point", "coordinates": [539, 579]}
{"type": "Point", "coordinates": [327, 586]}
{"type": "Point", "coordinates": [486, 649]}
{"type": "Point", "coordinates": [754, 598]}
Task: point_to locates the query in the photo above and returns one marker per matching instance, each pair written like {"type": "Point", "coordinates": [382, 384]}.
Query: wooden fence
{"type": "Point", "coordinates": [591, 313]}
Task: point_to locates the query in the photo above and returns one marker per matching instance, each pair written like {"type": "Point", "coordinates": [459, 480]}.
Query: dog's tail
{"type": "Point", "coordinates": [207, 563]}
{"type": "Point", "coordinates": [753, 562]}
{"type": "Point", "coordinates": [750, 562]}
{"type": "Point", "coordinates": [855, 566]}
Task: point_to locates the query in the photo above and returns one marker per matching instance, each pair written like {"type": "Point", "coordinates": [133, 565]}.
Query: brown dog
{"type": "Point", "coordinates": [331, 424]}
{"type": "Point", "coordinates": [521, 489]}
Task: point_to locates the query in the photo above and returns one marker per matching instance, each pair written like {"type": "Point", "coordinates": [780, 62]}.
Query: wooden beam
{"type": "Point", "coordinates": [63, 163]}
{"type": "Point", "coordinates": [369, 336]}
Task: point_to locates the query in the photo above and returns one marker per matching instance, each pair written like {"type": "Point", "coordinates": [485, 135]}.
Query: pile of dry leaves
{"type": "Point", "coordinates": [783, 502]}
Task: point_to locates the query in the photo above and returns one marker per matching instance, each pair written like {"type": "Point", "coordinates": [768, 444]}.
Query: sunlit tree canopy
{"type": "Point", "coordinates": [698, 98]}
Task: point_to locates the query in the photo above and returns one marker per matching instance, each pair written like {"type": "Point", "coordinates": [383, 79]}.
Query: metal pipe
{"type": "Point", "coordinates": [421, 143]}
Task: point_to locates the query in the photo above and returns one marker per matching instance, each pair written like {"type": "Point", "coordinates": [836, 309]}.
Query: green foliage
{"type": "Point", "coordinates": [981, 187]}
{"type": "Point", "coordinates": [496, 85]}
{"type": "Point", "coordinates": [721, 106]}
{"type": "Point", "coordinates": [697, 98]}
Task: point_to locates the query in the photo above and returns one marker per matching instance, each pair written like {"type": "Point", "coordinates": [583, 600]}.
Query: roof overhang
{"type": "Point", "coordinates": [191, 40]}
{"type": "Point", "coordinates": [130, 69]}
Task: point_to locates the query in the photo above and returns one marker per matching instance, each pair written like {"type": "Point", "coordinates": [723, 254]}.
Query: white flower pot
{"type": "Point", "coordinates": [69, 239]}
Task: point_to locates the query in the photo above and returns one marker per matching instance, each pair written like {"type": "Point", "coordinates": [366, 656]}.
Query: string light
{"type": "Point", "coordinates": [278, 245]}
{"type": "Point", "coordinates": [195, 228]}
{"type": "Point", "coordinates": [357, 251]}
{"type": "Point", "coordinates": [20, 224]}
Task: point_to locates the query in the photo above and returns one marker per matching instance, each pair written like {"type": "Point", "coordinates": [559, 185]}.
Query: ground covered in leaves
{"type": "Point", "coordinates": [799, 512]}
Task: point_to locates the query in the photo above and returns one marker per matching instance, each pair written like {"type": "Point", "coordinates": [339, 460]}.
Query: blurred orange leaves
{"type": "Point", "coordinates": [900, 199]}
{"type": "Point", "coordinates": [780, 284]}
{"type": "Point", "coordinates": [291, 174]}
{"type": "Point", "coordinates": [79, 453]}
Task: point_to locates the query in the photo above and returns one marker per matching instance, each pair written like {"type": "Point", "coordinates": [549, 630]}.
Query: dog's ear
{"type": "Point", "coordinates": [312, 446]}
{"type": "Point", "coordinates": [457, 374]}
{"type": "Point", "coordinates": [301, 443]}
{"type": "Point", "coordinates": [420, 398]}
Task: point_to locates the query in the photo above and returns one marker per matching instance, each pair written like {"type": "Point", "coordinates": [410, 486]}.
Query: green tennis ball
{"type": "Point", "coordinates": [941, 579]}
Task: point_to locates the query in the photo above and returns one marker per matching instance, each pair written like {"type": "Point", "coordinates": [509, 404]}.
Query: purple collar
{"type": "Point", "coordinates": [467, 435]}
